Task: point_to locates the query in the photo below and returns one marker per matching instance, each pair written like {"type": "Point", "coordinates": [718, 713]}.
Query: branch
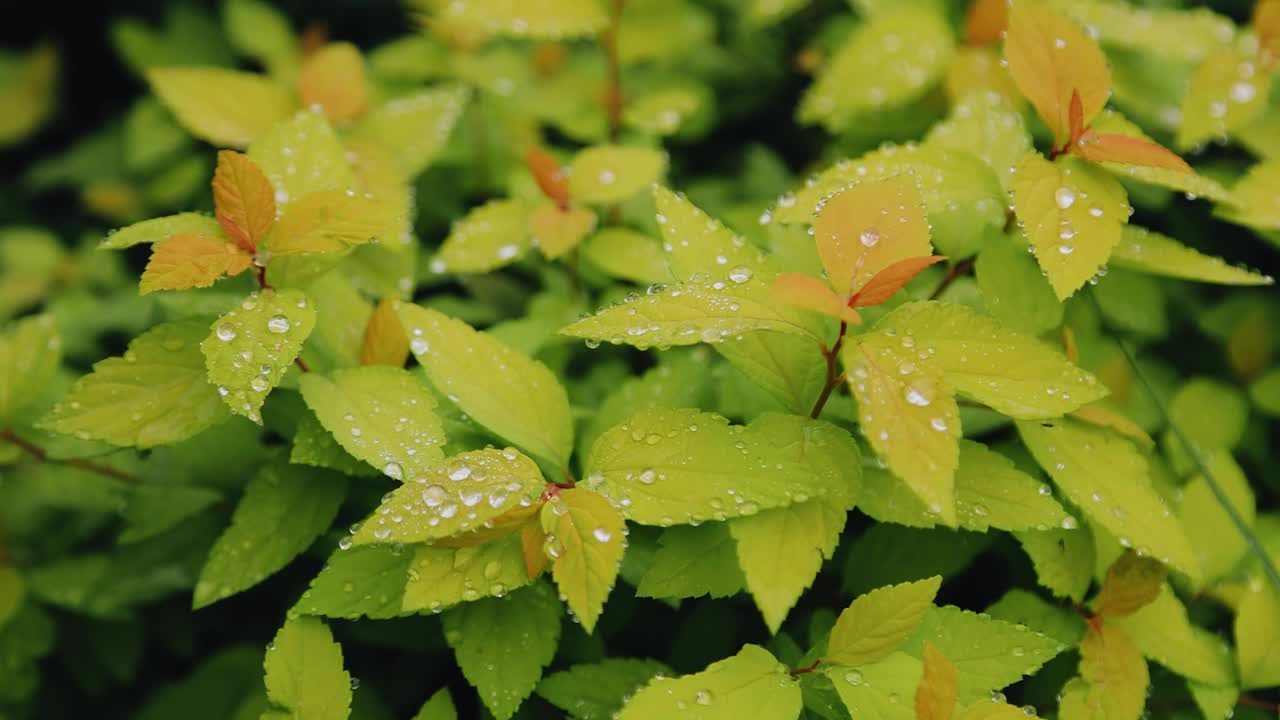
{"type": "Point", "coordinates": [35, 451]}
{"type": "Point", "coordinates": [832, 379]}
{"type": "Point", "coordinates": [956, 271]}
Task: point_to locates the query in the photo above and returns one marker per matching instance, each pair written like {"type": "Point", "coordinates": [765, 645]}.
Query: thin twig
{"type": "Point", "coordinates": [833, 380]}
{"type": "Point", "coordinates": [956, 271]}
{"type": "Point", "coordinates": [806, 669]}
{"type": "Point", "coordinates": [35, 451]}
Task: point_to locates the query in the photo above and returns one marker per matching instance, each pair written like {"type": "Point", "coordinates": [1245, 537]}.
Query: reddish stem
{"type": "Point", "coordinates": [833, 380]}
{"type": "Point", "coordinates": [806, 669]}
{"type": "Point", "coordinates": [956, 271]}
{"type": "Point", "coordinates": [1262, 704]}
{"type": "Point", "coordinates": [35, 451]}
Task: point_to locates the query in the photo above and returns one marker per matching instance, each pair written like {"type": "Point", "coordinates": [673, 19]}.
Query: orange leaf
{"type": "Point", "coordinates": [812, 294]}
{"type": "Point", "coordinates": [868, 227]}
{"type": "Point", "coordinates": [1050, 57]}
{"type": "Point", "coordinates": [938, 689]}
{"type": "Point", "coordinates": [1128, 150]}
{"type": "Point", "coordinates": [550, 175]}
{"type": "Point", "coordinates": [556, 232]}
{"type": "Point", "coordinates": [890, 280]}
{"type": "Point", "coordinates": [1266, 22]}
{"type": "Point", "coordinates": [986, 21]}
{"type": "Point", "coordinates": [532, 538]}
{"type": "Point", "coordinates": [190, 261]}
{"type": "Point", "coordinates": [333, 78]}
{"type": "Point", "coordinates": [243, 198]}
{"type": "Point", "coordinates": [1132, 583]}
{"type": "Point", "coordinates": [384, 341]}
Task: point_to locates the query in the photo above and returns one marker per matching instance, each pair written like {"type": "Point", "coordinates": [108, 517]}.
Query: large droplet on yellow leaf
{"type": "Point", "coordinates": [868, 227]}
{"type": "Point", "coordinates": [333, 78]}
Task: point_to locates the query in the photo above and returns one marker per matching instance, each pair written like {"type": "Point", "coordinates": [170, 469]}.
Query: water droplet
{"type": "Point", "coordinates": [702, 697]}
{"type": "Point", "coordinates": [433, 495]}
{"type": "Point", "coordinates": [853, 677]}
{"type": "Point", "coordinates": [740, 274]}
{"type": "Point", "coordinates": [869, 237]}
{"type": "Point", "coordinates": [1243, 92]}
{"type": "Point", "coordinates": [278, 324]}
{"type": "Point", "coordinates": [602, 535]}
{"type": "Point", "coordinates": [1065, 197]}
{"type": "Point", "coordinates": [419, 346]}
{"type": "Point", "coordinates": [393, 471]}
{"type": "Point", "coordinates": [225, 332]}
{"type": "Point", "coordinates": [461, 473]}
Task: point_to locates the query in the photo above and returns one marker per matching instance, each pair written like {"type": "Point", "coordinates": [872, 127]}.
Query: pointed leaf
{"type": "Point", "coordinates": [556, 232]}
{"type": "Point", "coordinates": [988, 125]}
{"type": "Point", "coordinates": [1219, 544]}
{"type": "Point", "coordinates": [500, 388]}
{"type": "Point", "coordinates": [1164, 633]}
{"type": "Point", "coordinates": [191, 261]}
{"type": "Point", "coordinates": [415, 127]}
{"type": "Point", "coordinates": [936, 694]}
{"type": "Point", "coordinates": [1150, 252]}
{"type": "Point", "coordinates": [1063, 558]}
{"type": "Point", "coordinates": [1259, 193]}
{"type": "Point", "coordinates": [30, 355]}
{"type": "Point", "coordinates": [1257, 632]}
{"type": "Point", "coordinates": [331, 221]}
{"type": "Point", "coordinates": [627, 255]}
{"type": "Point", "coordinates": [877, 690]}
{"type": "Point", "coordinates": [1226, 93]}
{"type": "Point", "coordinates": [359, 582]}
{"type": "Point", "coordinates": [1013, 289]}
{"type": "Point", "coordinates": [750, 684]}
{"type": "Point", "coordinates": [1132, 582]}
{"type": "Point", "coordinates": [305, 677]}
{"type": "Point", "coordinates": [589, 535]}
{"type": "Point", "coordinates": [890, 280]}
{"type": "Point", "coordinates": [161, 228]}
{"type": "Point", "coordinates": [597, 691]}
{"type": "Point", "coordinates": [243, 198]}
{"type": "Point", "coordinates": [869, 227]}
{"type": "Point", "coordinates": [1116, 673]}
{"type": "Point", "coordinates": [812, 294]}
{"type": "Point", "coordinates": [252, 347]}
{"type": "Point", "coordinates": [438, 707]}
{"type": "Point", "coordinates": [487, 238]}
{"type": "Point", "coordinates": [156, 395]}
{"type": "Point", "coordinates": [302, 155]}
{"type": "Point", "coordinates": [1173, 34]}
{"type": "Point", "coordinates": [384, 342]}
{"type": "Point", "coordinates": [225, 107]}
{"type": "Point", "coordinates": [876, 623]}
{"type": "Point", "coordinates": [692, 562]}
{"type": "Point", "coordinates": [332, 78]}
{"type": "Point", "coordinates": [696, 243]}
{"type": "Point", "coordinates": [611, 173]}
{"type": "Point", "coordinates": [441, 576]}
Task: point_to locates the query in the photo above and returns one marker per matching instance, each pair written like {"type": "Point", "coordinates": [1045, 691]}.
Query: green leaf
{"type": "Point", "coordinates": [367, 581]}
{"type": "Point", "coordinates": [225, 107]}
{"type": "Point", "coordinates": [611, 173]}
{"type": "Point", "coordinates": [1150, 252]}
{"type": "Point", "coordinates": [888, 554]}
{"type": "Point", "coordinates": [554, 20]}
{"type": "Point", "coordinates": [596, 691]}
{"type": "Point", "coordinates": [910, 418]}
{"type": "Point", "coordinates": [667, 466]}
{"type": "Point", "coordinates": [879, 690]}
{"type": "Point", "coordinates": [454, 497]}
{"type": "Point", "coordinates": [1014, 291]}
{"type": "Point", "coordinates": [300, 156]}
{"type": "Point", "coordinates": [161, 228]}
{"type": "Point", "coordinates": [156, 394]}
{"type": "Point", "coordinates": [502, 644]}
{"type": "Point", "coordinates": [781, 551]}
{"type": "Point", "coordinates": [1212, 413]}
{"type": "Point", "coordinates": [1115, 671]}
{"type": "Point", "coordinates": [1218, 543]}
{"type": "Point", "coordinates": [670, 109]}
{"type": "Point", "coordinates": [439, 707]}
{"type": "Point", "coordinates": [689, 313]}
{"type": "Point", "coordinates": [987, 125]}
{"type": "Point", "coordinates": [990, 493]}
{"type": "Point", "coordinates": [509, 393]}
{"type": "Point", "coordinates": [1214, 702]}
{"type": "Point", "coordinates": [315, 446]}
{"type": "Point", "coordinates": [988, 654]}
{"type": "Point", "coordinates": [1257, 631]}
{"type": "Point", "coordinates": [156, 508]}
{"type": "Point", "coordinates": [444, 576]}
{"type": "Point", "coordinates": [696, 243]}
{"type": "Point", "coordinates": [1164, 633]}
{"type": "Point", "coordinates": [692, 562]}
{"type": "Point", "coordinates": [28, 91]}
{"type": "Point", "coordinates": [30, 354]}
{"type": "Point", "coordinates": [1225, 94]}
{"type": "Point", "coordinates": [381, 415]}
{"type": "Point", "coordinates": [1257, 192]}
{"type": "Point", "coordinates": [12, 590]}
{"type": "Point", "coordinates": [784, 366]}
{"type": "Point", "coordinates": [750, 684]}
{"type": "Point", "coordinates": [876, 623]}
{"type": "Point", "coordinates": [253, 346]}
{"type": "Point", "coordinates": [591, 537]}
{"type": "Point", "coordinates": [1063, 559]}
{"type": "Point", "coordinates": [283, 510]}
{"type": "Point", "coordinates": [1060, 623]}
{"type": "Point", "coordinates": [262, 32]}
{"type": "Point", "coordinates": [1176, 34]}
{"type": "Point", "coordinates": [305, 677]}
{"type": "Point", "coordinates": [1072, 212]}
{"type": "Point", "coordinates": [414, 127]}
{"type": "Point", "coordinates": [627, 255]}
{"type": "Point", "coordinates": [1014, 374]}
{"type": "Point", "coordinates": [1105, 477]}
{"type": "Point", "coordinates": [1265, 392]}
{"type": "Point", "coordinates": [906, 70]}
{"type": "Point", "coordinates": [487, 238]}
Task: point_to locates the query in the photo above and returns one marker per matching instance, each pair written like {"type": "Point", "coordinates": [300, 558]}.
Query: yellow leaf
{"type": "Point", "coordinates": [812, 294]}
{"type": "Point", "coordinates": [384, 340]}
{"type": "Point", "coordinates": [936, 694]}
{"type": "Point", "coordinates": [979, 69]}
{"type": "Point", "coordinates": [225, 107]}
{"type": "Point", "coordinates": [189, 261]}
{"type": "Point", "coordinates": [243, 198]}
{"type": "Point", "coordinates": [1050, 58]}
{"type": "Point", "coordinates": [532, 540]}
{"type": "Point", "coordinates": [333, 78]}
{"type": "Point", "coordinates": [876, 623]}
{"type": "Point", "coordinates": [1103, 416]}
{"type": "Point", "coordinates": [556, 232]}
{"type": "Point", "coordinates": [587, 550]}
{"type": "Point", "coordinates": [986, 21]}
{"type": "Point", "coordinates": [378, 176]}
{"type": "Point", "coordinates": [27, 91]}
{"type": "Point", "coordinates": [331, 221]}
{"type": "Point", "coordinates": [1132, 582]}
{"type": "Point", "coordinates": [1227, 92]}
{"type": "Point", "coordinates": [1266, 23]}
{"type": "Point", "coordinates": [1115, 671]}
{"type": "Point", "coordinates": [868, 227]}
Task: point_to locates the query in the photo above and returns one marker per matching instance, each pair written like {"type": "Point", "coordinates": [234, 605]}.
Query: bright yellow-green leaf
{"type": "Point", "coordinates": [379, 571]}
{"type": "Point", "coordinates": [1259, 194]}
{"type": "Point", "coordinates": [1015, 374]}
{"type": "Point", "coordinates": [555, 232]}
{"type": "Point", "coordinates": [1115, 671]}
{"type": "Point", "coordinates": [587, 547]}
{"type": "Point", "coordinates": [1106, 478]}
{"type": "Point", "coordinates": [549, 19]}
{"type": "Point", "coordinates": [597, 690]}
{"type": "Point", "coordinates": [936, 694]}
{"type": "Point", "coordinates": [1013, 289]}
{"type": "Point", "coordinates": [381, 415]}
{"type": "Point", "coordinates": [879, 690]}
{"type": "Point", "coordinates": [666, 466]}
{"type": "Point", "coordinates": [30, 354]}
{"type": "Point", "coordinates": [500, 388]}
{"type": "Point", "coordinates": [909, 51]}
{"type": "Point", "coordinates": [302, 155]}
{"type": "Point", "coordinates": [225, 107]}
{"type": "Point", "coordinates": [156, 395]}
{"type": "Point", "coordinates": [453, 497]}
{"type": "Point", "coordinates": [910, 418]}
{"type": "Point", "coordinates": [990, 493]}
{"type": "Point", "coordinates": [444, 576]}
{"type": "Point", "coordinates": [781, 551]}
{"type": "Point", "coordinates": [612, 173]}
{"type": "Point", "coordinates": [750, 684]}
{"type": "Point", "coordinates": [991, 127]}
{"type": "Point", "coordinates": [1156, 168]}
{"type": "Point", "coordinates": [1063, 558]}
{"type": "Point", "coordinates": [1214, 701]}
{"type": "Point", "coordinates": [1072, 212]}
{"type": "Point", "coordinates": [667, 110]}
{"type": "Point", "coordinates": [693, 561]}
{"type": "Point", "coordinates": [1218, 543]}
{"type": "Point", "coordinates": [1176, 34]}
{"type": "Point", "coordinates": [784, 366]}
{"type": "Point", "coordinates": [1132, 582]}
{"type": "Point", "coordinates": [331, 221]}
{"type": "Point", "coordinates": [868, 227]}
{"type": "Point", "coordinates": [161, 228]}
{"type": "Point", "coordinates": [985, 709]}
{"type": "Point", "coordinates": [1212, 413]}
{"type": "Point", "coordinates": [27, 91]}
{"type": "Point", "coordinates": [1227, 92]}
{"type": "Point", "coordinates": [383, 341]}
{"type": "Point", "coordinates": [191, 261]}
{"type": "Point", "coordinates": [488, 237]}
{"type": "Point", "coordinates": [876, 623]}
{"type": "Point", "coordinates": [261, 31]}
{"type": "Point", "coordinates": [696, 243]}
{"type": "Point", "coordinates": [252, 346]}
{"type": "Point", "coordinates": [438, 707]}
{"type": "Point", "coordinates": [690, 313]}
{"type": "Point", "coordinates": [1150, 252]}
{"type": "Point", "coordinates": [502, 644]}
{"type": "Point", "coordinates": [628, 255]}
{"type": "Point", "coordinates": [1257, 630]}
{"type": "Point", "coordinates": [414, 127]}
{"type": "Point", "coordinates": [333, 79]}
{"type": "Point", "coordinates": [305, 677]}
{"type": "Point", "coordinates": [1164, 633]}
